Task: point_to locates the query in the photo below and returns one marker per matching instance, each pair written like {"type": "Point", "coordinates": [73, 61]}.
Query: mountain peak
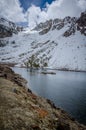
{"type": "Point", "coordinates": [72, 23]}
{"type": "Point", "coordinates": [7, 28]}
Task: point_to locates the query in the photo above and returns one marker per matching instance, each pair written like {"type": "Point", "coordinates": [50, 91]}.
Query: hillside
{"type": "Point", "coordinates": [56, 44]}
{"type": "Point", "coordinates": [8, 28]}
{"type": "Point", "coordinates": [20, 109]}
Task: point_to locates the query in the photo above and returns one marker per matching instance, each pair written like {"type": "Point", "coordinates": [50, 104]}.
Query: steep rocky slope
{"type": "Point", "coordinates": [81, 23]}
{"type": "Point", "coordinates": [57, 44]}
{"type": "Point", "coordinates": [7, 28]}
{"type": "Point", "coordinates": [73, 23]}
{"type": "Point", "coordinates": [20, 109]}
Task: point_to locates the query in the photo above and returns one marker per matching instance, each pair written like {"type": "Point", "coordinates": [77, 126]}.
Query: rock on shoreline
{"type": "Point", "coordinates": [7, 73]}
{"type": "Point", "coordinates": [20, 109]}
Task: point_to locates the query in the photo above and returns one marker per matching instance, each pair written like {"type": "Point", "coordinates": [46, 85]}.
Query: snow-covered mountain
{"type": "Point", "coordinates": [58, 44]}
{"type": "Point", "coordinates": [7, 28]}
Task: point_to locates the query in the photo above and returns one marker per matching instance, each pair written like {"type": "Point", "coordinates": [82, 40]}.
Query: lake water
{"type": "Point", "coordinates": [66, 89]}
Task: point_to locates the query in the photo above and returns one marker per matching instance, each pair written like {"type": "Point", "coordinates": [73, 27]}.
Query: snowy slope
{"type": "Point", "coordinates": [58, 51]}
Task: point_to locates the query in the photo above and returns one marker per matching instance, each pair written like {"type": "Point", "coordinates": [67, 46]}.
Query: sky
{"type": "Point", "coordinates": [33, 12]}
{"type": "Point", "coordinates": [27, 3]}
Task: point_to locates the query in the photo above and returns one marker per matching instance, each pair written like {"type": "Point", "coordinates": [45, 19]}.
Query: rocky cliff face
{"type": "Point", "coordinates": [73, 23]}
{"type": "Point", "coordinates": [7, 28]}
{"type": "Point", "coordinates": [20, 109]}
{"type": "Point", "coordinates": [81, 23]}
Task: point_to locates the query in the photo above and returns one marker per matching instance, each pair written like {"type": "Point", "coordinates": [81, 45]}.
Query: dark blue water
{"type": "Point", "coordinates": [66, 89]}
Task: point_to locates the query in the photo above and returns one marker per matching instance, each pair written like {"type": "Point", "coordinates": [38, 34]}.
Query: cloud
{"type": "Point", "coordinates": [58, 9]}
{"type": "Point", "coordinates": [63, 8]}
{"type": "Point", "coordinates": [82, 4]}
{"type": "Point", "coordinates": [35, 16]}
{"type": "Point", "coordinates": [11, 10]}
